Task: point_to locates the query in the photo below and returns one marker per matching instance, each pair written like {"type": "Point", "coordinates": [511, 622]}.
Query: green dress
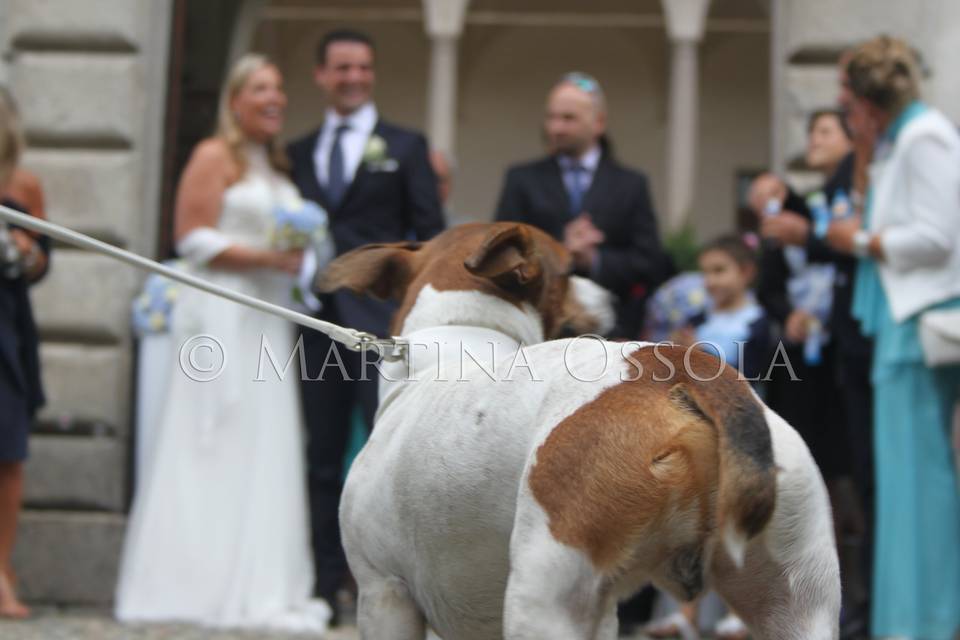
{"type": "Point", "coordinates": [916, 580]}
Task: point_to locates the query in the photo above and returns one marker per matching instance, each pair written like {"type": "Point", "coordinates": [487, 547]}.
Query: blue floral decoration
{"type": "Point", "coordinates": [675, 304]}
{"type": "Point", "coordinates": [153, 307]}
{"type": "Point", "coordinates": [297, 225]}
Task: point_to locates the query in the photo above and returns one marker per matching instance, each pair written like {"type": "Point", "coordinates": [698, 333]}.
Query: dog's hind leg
{"type": "Point", "coordinates": [387, 611]}
{"type": "Point", "coordinates": [789, 586]}
{"type": "Point", "coordinates": [553, 590]}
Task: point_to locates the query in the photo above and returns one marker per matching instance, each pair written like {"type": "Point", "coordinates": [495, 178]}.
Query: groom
{"type": "Point", "coordinates": [375, 181]}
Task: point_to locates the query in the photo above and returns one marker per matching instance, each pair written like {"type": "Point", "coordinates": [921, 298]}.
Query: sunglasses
{"type": "Point", "coordinates": [582, 81]}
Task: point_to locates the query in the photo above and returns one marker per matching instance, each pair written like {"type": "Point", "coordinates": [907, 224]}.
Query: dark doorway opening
{"type": "Point", "coordinates": [201, 37]}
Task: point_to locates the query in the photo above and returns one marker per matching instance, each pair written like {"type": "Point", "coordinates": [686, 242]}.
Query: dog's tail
{"type": "Point", "coordinates": [747, 472]}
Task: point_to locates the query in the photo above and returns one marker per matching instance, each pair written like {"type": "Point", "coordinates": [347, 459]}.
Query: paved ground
{"type": "Point", "coordinates": [52, 624]}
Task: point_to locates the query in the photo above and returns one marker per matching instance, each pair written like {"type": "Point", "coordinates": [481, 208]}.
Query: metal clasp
{"type": "Point", "coordinates": [390, 349]}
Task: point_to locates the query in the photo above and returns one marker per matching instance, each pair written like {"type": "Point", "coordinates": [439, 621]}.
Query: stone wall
{"type": "Point", "coordinates": [810, 34]}
{"type": "Point", "coordinates": [90, 77]}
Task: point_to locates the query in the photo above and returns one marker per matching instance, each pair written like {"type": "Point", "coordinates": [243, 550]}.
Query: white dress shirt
{"type": "Point", "coordinates": [352, 141]}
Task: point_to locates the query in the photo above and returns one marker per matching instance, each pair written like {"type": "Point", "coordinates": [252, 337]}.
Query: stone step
{"type": "Point", "coordinates": [68, 558]}
{"type": "Point", "coordinates": [91, 191]}
{"type": "Point", "coordinates": [85, 298]}
{"type": "Point", "coordinates": [87, 383]}
{"type": "Point", "coordinates": [76, 472]}
{"type": "Point", "coordinates": [65, 113]}
{"type": "Point", "coordinates": [108, 25]}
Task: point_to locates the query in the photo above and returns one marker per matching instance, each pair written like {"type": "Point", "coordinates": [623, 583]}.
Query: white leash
{"type": "Point", "coordinates": [391, 349]}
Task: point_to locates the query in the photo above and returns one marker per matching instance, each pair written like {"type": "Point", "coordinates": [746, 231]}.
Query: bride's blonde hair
{"type": "Point", "coordinates": [228, 128]}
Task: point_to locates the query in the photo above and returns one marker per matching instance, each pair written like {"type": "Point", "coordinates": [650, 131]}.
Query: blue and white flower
{"type": "Point", "coordinates": [298, 224]}
{"type": "Point", "coordinates": [152, 309]}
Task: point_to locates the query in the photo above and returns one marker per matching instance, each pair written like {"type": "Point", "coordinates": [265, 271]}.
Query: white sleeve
{"type": "Point", "coordinates": [315, 259]}
{"type": "Point", "coordinates": [202, 245]}
{"type": "Point", "coordinates": [933, 185]}
{"type": "Point", "coordinates": [305, 280]}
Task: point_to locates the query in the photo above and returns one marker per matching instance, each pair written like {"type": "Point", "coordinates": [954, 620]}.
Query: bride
{"type": "Point", "coordinates": [218, 533]}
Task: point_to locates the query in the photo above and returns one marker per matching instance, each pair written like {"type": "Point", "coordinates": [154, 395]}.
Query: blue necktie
{"type": "Point", "coordinates": [575, 188]}
{"type": "Point", "coordinates": [336, 181]}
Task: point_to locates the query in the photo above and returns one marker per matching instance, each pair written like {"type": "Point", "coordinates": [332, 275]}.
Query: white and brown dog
{"type": "Point", "coordinates": [521, 494]}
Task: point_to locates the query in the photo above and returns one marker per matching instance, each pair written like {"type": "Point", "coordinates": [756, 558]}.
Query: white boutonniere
{"type": "Point", "coordinates": [375, 156]}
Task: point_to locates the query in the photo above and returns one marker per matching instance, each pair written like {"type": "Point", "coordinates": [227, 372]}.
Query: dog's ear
{"type": "Point", "coordinates": [381, 270]}
{"type": "Point", "coordinates": [508, 257]}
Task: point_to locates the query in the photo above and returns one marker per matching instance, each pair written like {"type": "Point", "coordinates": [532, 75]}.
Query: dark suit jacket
{"type": "Point", "coordinates": [774, 272]}
{"type": "Point", "coordinates": [844, 328]}
{"type": "Point", "coordinates": [632, 261]}
{"type": "Point", "coordinates": [379, 206]}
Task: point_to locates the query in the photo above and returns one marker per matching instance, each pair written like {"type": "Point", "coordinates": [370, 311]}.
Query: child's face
{"type": "Point", "coordinates": [725, 279]}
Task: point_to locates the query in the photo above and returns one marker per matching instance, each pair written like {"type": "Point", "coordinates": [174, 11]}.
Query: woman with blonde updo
{"type": "Point", "coordinates": [219, 533]}
{"type": "Point", "coordinates": [908, 244]}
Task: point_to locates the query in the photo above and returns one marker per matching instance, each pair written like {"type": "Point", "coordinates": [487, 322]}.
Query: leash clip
{"type": "Point", "coordinates": [390, 349]}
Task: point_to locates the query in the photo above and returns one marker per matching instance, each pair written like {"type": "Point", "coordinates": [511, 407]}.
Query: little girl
{"type": "Point", "coordinates": [733, 326]}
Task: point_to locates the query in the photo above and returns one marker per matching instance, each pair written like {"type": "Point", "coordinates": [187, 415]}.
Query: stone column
{"type": "Point", "coordinates": [778, 160]}
{"type": "Point", "coordinates": [443, 21]}
{"type": "Point", "coordinates": [685, 21]}
{"type": "Point", "coordinates": [248, 17]}
{"type": "Point", "coordinates": [91, 81]}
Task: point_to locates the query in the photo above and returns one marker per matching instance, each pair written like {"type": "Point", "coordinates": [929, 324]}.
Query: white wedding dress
{"type": "Point", "coordinates": [219, 533]}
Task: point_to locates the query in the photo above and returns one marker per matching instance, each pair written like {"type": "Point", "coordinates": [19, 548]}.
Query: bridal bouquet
{"type": "Point", "coordinates": [297, 224]}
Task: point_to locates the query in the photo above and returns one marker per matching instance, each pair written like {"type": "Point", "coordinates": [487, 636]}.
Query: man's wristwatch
{"type": "Point", "coordinates": [861, 243]}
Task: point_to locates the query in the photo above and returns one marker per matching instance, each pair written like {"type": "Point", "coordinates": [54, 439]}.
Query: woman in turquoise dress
{"type": "Point", "coordinates": [909, 245]}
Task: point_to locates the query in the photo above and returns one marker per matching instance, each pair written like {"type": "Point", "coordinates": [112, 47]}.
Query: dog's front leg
{"type": "Point", "coordinates": [386, 611]}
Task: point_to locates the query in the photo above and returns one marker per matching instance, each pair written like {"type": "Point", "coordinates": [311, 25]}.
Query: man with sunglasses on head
{"type": "Point", "coordinates": [581, 195]}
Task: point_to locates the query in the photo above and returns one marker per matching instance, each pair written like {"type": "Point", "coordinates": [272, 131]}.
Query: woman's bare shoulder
{"type": "Point", "coordinates": [212, 156]}
{"type": "Point", "coordinates": [211, 150]}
